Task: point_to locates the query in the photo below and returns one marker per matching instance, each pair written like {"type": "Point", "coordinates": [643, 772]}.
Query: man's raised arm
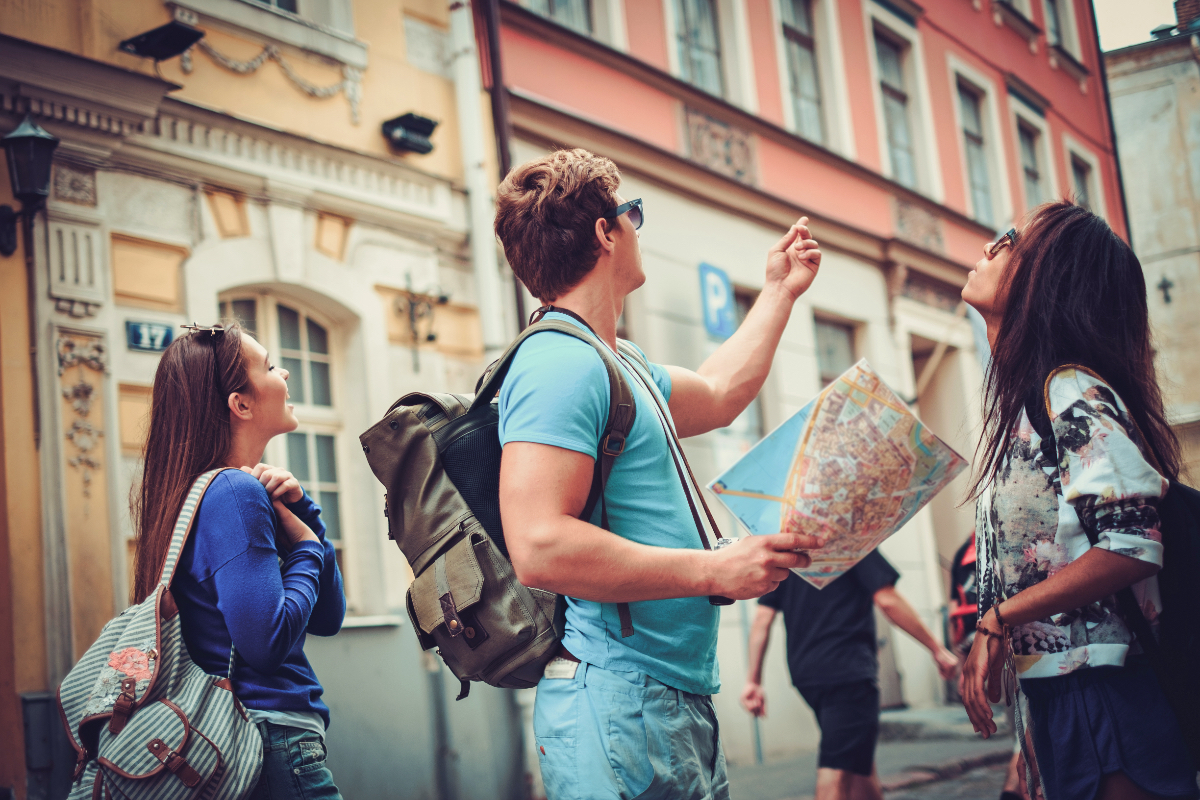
{"type": "Point", "coordinates": [730, 378]}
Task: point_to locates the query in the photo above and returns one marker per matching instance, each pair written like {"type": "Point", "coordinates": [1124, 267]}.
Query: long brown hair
{"type": "Point", "coordinates": [1075, 295]}
{"type": "Point", "coordinates": [189, 434]}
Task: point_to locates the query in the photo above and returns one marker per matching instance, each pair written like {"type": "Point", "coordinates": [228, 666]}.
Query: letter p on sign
{"type": "Point", "coordinates": [717, 300]}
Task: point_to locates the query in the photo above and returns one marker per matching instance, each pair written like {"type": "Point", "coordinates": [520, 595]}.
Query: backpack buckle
{"type": "Point", "coordinates": [613, 444]}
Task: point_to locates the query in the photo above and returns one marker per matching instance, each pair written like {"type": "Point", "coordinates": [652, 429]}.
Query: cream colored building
{"type": "Point", "coordinates": [1154, 88]}
{"type": "Point", "coordinates": [250, 177]}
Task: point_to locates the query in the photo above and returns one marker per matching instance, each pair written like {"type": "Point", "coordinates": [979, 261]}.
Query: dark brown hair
{"type": "Point", "coordinates": [1075, 295]}
{"type": "Point", "coordinates": [189, 434]}
{"type": "Point", "coordinates": [546, 212]}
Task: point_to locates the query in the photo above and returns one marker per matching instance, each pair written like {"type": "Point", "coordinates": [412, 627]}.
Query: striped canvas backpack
{"type": "Point", "coordinates": [145, 721]}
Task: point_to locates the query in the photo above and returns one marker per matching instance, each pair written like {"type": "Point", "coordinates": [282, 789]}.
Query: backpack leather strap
{"type": "Point", "coordinates": [632, 357]}
{"type": "Point", "coordinates": [183, 524]}
{"type": "Point", "coordinates": [622, 412]}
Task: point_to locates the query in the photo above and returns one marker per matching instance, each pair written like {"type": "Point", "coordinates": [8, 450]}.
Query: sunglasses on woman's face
{"type": "Point", "coordinates": [1007, 240]}
{"type": "Point", "coordinates": [636, 215]}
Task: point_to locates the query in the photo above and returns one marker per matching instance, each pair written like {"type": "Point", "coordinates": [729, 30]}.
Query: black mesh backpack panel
{"type": "Point", "coordinates": [470, 450]}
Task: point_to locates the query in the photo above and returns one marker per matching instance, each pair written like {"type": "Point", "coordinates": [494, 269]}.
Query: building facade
{"type": "Point", "coordinates": [911, 133]}
{"type": "Point", "coordinates": [252, 178]}
{"type": "Point", "coordinates": [1153, 87]}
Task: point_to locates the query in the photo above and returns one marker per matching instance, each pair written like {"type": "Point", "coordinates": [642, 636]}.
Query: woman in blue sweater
{"type": "Point", "coordinates": [256, 574]}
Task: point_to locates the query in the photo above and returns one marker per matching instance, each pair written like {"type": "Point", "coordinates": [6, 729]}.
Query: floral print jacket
{"type": "Point", "coordinates": [1029, 523]}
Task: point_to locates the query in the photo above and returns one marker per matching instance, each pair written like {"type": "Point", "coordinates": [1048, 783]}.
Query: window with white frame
{"type": "Point", "coordinates": [698, 38]}
{"type": "Point", "coordinates": [573, 14]}
{"type": "Point", "coordinates": [1028, 139]}
{"type": "Point", "coordinates": [974, 144]}
{"type": "Point", "coordinates": [304, 352]}
{"type": "Point", "coordinates": [803, 82]}
{"type": "Point", "coordinates": [896, 109]}
{"type": "Point", "coordinates": [312, 458]}
{"type": "Point", "coordinates": [301, 343]}
{"type": "Point", "coordinates": [1081, 181]}
{"type": "Point", "coordinates": [835, 349]}
{"type": "Point", "coordinates": [1053, 22]}
{"type": "Point", "coordinates": [282, 5]}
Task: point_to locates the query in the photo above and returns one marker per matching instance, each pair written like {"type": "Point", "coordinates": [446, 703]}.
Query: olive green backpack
{"type": "Point", "coordinates": [438, 458]}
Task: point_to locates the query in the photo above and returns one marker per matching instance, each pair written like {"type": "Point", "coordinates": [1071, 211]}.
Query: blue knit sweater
{"type": "Point", "coordinates": [231, 587]}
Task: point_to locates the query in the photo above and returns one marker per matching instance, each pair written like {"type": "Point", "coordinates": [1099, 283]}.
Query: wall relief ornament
{"type": "Point", "coordinates": [719, 146]}
{"type": "Point", "coordinates": [85, 354]}
{"type": "Point", "coordinates": [75, 185]}
{"type": "Point", "coordinates": [350, 84]}
{"type": "Point", "coordinates": [918, 226]}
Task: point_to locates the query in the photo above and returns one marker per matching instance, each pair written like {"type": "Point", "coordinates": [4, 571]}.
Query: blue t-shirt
{"type": "Point", "coordinates": [557, 393]}
{"type": "Point", "coordinates": [231, 589]}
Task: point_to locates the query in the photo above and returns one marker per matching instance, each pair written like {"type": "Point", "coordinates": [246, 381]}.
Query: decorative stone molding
{"type": "Point", "coordinates": [1004, 12]}
{"type": "Point", "coordinates": [84, 353]}
{"type": "Point", "coordinates": [426, 46]}
{"type": "Point", "coordinates": [350, 85]}
{"type": "Point", "coordinates": [931, 293]}
{"type": "Point", "coordinates": [75, 185]}
{"type": "Point", "coordinates": [719, 146]}
{"type": "Point", "coordinates": [917, 226]}
{"type": "Point", "coordinates": [1061, 58]}
{"type": "Point", "coordinates": [99, 101]}
{"type": "Point", "coordinates": [74, 263]}
{"type": "Point", "coordinates": [270, 158]}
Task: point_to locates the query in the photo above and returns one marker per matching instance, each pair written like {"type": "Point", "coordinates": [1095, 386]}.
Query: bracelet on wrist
{"type": "Point", "coordinates": [999, 617]}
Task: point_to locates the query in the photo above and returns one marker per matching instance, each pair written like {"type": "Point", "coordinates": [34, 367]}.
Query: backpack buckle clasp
{"type": "Point", "coordinates": [613, 445]}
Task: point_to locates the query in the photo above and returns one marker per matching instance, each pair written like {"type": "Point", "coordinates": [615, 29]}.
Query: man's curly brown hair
{"type": "Point", "coordinates": [546, 212]}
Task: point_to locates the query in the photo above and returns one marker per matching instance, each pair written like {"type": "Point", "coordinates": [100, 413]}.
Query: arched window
{"type": "Point", "coordinates": [303, 343]}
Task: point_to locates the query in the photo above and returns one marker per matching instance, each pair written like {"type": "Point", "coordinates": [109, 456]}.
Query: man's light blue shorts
{"type": "Point", "coordinates": [605, 734]}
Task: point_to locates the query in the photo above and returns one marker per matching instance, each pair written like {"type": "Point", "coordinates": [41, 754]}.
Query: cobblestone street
{"type": "Point", "coordinates": [916, 747]}
{"type": "Point", "coordinates": [978, 784]}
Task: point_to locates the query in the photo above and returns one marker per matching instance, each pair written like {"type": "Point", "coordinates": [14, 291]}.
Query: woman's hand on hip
{"type": "Point", "coordinates": [294, 529]}
{"type": "Point", "coordinates": [279, 483]}
{"type": "Point", "coordinates": [980, 685]}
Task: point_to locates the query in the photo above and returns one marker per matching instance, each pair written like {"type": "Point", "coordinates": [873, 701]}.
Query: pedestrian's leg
{"type": "Point", "coordinates": [1119, 787]}
{"type": "Point", "coordinates": [866, 787]}
{"type": "Point", "coordinates": [833, 784]}
{"type": "Point", "coordinates": [1014, 781]}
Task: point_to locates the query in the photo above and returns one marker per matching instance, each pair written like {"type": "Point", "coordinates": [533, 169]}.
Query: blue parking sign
{"type": "Point", "coordinates": [717, 300]}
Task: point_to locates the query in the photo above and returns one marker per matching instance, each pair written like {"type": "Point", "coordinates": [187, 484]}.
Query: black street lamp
{"type": "Point", "coordinates": [30, 151]}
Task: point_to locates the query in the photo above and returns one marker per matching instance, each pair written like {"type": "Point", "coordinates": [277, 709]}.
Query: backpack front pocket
{"type": "Point", "coordinates": [470, 605]}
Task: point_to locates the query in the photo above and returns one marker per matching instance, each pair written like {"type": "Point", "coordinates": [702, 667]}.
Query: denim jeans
{"type": "Point", "coordinates": [607, 735]}
{"type": "Point", "coordinates": [293, 766]}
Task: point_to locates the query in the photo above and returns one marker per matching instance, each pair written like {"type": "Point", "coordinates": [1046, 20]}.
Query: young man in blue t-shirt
{"type": "Point", "coordinates": [623, 716]}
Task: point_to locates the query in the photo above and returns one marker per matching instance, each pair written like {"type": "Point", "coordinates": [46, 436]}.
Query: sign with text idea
{"type": "Point", "coordinates": [853, 466]}
{"type": "Point", "coordinates": [717, 301]}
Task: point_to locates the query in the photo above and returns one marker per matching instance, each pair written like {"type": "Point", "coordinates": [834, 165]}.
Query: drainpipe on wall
{"type": "Point", "coordinates": [467, 89]}
{"type": "Point", "coordinates": [501, 123]}
{"type": "Point", "coordinates": [1112, 128]}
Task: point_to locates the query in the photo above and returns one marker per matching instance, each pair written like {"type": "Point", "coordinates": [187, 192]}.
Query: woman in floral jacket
{"type": "Point", "coordinates": [1075, 443]}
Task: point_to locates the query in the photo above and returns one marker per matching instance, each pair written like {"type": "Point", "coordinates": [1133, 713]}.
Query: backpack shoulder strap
{"type": "Point", "coordinates": [183, 524]}
{"type": "Point", "coordinates": [622, 411]}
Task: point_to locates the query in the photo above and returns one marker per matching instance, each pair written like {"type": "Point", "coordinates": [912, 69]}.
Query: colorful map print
{"type": "Point", "coordinates": [853, 466]}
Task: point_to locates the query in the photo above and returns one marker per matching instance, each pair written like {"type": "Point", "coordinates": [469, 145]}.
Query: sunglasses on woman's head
{"type": "Point", "coordinates": [636, 215]}
{"type": "Point", "coordinates": [1009, 239]}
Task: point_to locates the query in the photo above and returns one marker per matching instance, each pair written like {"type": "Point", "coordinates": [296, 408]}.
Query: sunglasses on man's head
{"type": "Point", "coordinates": [1009, 239]}
{"type": "Point", "coordinates": [636, 215]}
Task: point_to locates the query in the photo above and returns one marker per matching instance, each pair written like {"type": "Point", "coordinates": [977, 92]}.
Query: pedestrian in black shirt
{"type": "Point", "coordinates": [833, 662]}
